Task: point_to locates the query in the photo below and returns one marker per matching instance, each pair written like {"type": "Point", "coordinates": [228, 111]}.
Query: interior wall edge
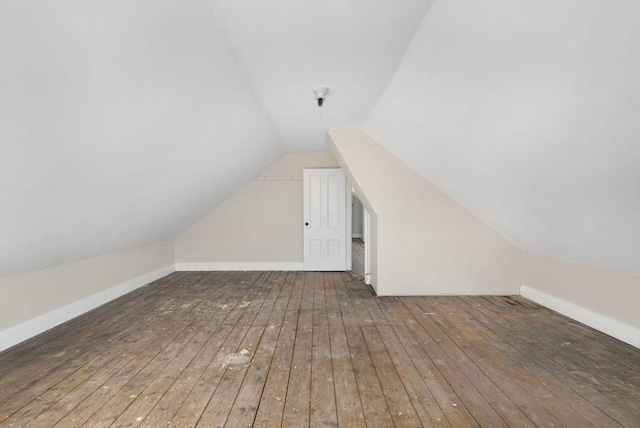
{"type": "Point", "coordinates": [258, 227]}
{"type": "Point", "coordinates": [33, 327]}
{"type": "Point", "coordinates": [423, 242]}
{"type": "Point", "coordinates": [603, 299]}
{"type": "Point", "coordinates": [614, 328]}
{"type": "Point", "coordinates": [37, 301]}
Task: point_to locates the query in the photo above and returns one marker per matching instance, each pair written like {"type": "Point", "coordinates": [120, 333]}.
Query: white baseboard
{"type": "Point", "coordinates": [356, 235]}
{"type": "Point", "coordinates": [621, 331]}
{"type": "Point", "coordinates": [238, 266]}
{"type": "Point", "coordinates": [28, 329]}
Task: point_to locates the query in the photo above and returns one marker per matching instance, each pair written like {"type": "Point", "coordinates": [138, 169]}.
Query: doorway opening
{"type": "Point", "coordinates": [359, 240]}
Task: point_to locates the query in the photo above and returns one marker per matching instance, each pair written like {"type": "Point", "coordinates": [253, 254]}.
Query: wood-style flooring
{"type": "Point", "coordinates": [357, 259]}
{"type": "Point", "coordinates": [298, 349]}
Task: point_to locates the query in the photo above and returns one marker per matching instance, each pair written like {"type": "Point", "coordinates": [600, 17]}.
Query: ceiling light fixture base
{"type": "Point", "coordinates": [320, 92]}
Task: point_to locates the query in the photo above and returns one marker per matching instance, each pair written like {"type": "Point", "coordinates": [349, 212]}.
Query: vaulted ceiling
{"type": "Point", "coordinates": [287, 47]}
{"type": "Point", "coordinates": [125, 122]}
{"type": "Point", "coordinates": [528, 113]}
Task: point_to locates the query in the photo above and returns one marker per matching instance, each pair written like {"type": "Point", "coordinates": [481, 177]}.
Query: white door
{"type": "Point", "coordinates": [325, 219]}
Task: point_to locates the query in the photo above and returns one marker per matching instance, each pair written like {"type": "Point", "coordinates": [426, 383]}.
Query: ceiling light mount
{"type": "Point", "coordinates": [320, 92]}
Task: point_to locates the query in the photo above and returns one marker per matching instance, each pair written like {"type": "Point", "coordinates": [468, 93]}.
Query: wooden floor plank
{"type": "Point", "coordinates": [470, 341]}
{"type": "Point", "coordinates": [509, 330]}
{"type": "Point", "coordinates": [236, 367]}
{"type": "Point", "coordinates": [296, 409]}
{"type": "Point", "coordinates": [510, 366]}
{"type": "Point", "coordinates": [400, 406]}
{"type": "Point", "coordinates": [228, 354]}
{"type": "Point", "coordinates": [271, 406]}
{"type": "Point", "coordinates": [54, 340]}
{"type": "Point", "coordinates": [206, 327]}
{"type": "Point", "coordinates": [271, 349]}
{"type": "Point", "coordinates": [67, 379]}
{"type": "Point", "coordinates": [373, 402]}
{"type": "Point", "coordinates": [246, 403]}
{"type": "Point", "coordinates": [348, 405]}
{"type": "Point", "coordinates": [96, 400]}
{"type": "Point", "coordinates": [171, 401]}
{"type": "Point", "coordinates": [504, 406]}
{"type": "Point", "coordinates": [323, 398]}
{"type": "Point", "coordinates": [132, 391]}
{"type": "Point", "coordinates": [419, 395]}
{"type": "Point", "coordinates": [196, 401]}
{"type": "Point", "coordinates": [480, 407]}
{"type": "Point", "coordinates": [534, 373]}
{"type": "Point", "coordinates": [64, 359]}
{"type": "Point", "coordinates": [412, 337]}
{"type": "Point", "coordinates": [563, 358]}
{"type": "Point", "coordinates": [357, 251]}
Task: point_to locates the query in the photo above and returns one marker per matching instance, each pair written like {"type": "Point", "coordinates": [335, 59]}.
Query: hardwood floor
{"type": "Point", "coordinates": [357, 257]}
{"type": "Point", "coordinates": [302, 349]}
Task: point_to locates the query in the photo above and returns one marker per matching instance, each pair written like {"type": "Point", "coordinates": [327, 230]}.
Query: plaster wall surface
{"type": "Point", "coordinates": [426, 243]}
{"type": "Point", "coordinates": [34, 302]}
{"type": "Point", "coordinates": [261, 223]}
{"type": "Point", "coordinates": [527, 114]}
{"type": "Point", "coordinates": [116, 129]}
{"type": "Point", "coordinates": [606, 300]}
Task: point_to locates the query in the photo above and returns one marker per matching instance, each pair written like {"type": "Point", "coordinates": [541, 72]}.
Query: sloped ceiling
{"type": "Point", "coordinates": [125, 122]}
{"type": "Point", "coordinates": [287, 47]}
{"type": "Point", "coordinates": [122, 124]}
{"type": "Point", "coordinates": [528, 113]}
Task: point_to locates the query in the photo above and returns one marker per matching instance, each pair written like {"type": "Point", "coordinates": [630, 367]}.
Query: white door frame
{"type": "Point", "coordinates": [349, 203]}
{"type": "Point", "coordinates": [347, 212]}
{"type": "Point", "coordinates": [366, 237]}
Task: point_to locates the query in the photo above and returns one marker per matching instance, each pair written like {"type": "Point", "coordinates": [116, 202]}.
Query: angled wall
{"type": "Point", "coordinates": [259, 227]}
{"type": "Point", "coordinates": [426, 243]}
{"type": "Point", "coordinates": [34, 302]}
{"type": "Point", "coordinates": [123, 123]}
{"type": "Point", "coordinates": [603, 299]}
{"type": "Point", "coordinates": [526, 113]}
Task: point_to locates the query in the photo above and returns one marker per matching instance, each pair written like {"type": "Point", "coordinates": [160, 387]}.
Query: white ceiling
{"type": "Point", "coordinates": [125, 122]}
{"type": "Point", "coordinates": [287, 47]}
{"type": "Point", "coordinates": [122, 124]}
{"type": "Point", "coordinates": [528, 113]}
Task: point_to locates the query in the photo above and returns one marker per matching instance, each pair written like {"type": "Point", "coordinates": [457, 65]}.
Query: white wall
{"type": "Point", "coordinates": [605, 300]}
{"type": "Point", "coordinates": [259, 227]}
{"type": "Point", "coordinates": [357, 217]}
{"type": "Point", "coordinates": [34, 302]}
{"type": "Point", "coordinates": [123, 123]}
{"type": "Point", "coordinates": [526, 113]}
{"type": "Point", "coordinates": [425, 243]}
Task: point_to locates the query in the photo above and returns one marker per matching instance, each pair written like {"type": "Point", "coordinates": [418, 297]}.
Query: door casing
{"type": "Point", "coordinates": [326, 211]}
